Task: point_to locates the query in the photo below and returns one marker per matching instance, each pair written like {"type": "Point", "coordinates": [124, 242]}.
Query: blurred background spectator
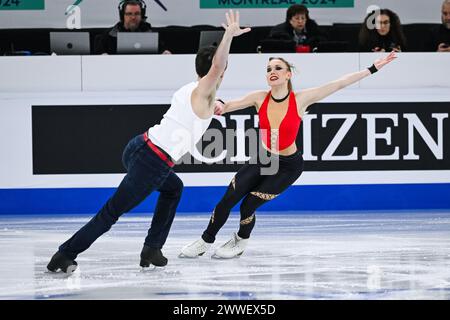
{"type": "Point", "coordinates": [382, 32]}
{"type": "Point", "coordinates": [441, 34]}
{"type": "Point", "coordinates": [298, 27]}
{"type": "Point", "coordinates": [132, 19]}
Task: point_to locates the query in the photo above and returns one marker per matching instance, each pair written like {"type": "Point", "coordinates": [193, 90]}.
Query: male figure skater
{"type": "Point", "coordinates": [149, 159]}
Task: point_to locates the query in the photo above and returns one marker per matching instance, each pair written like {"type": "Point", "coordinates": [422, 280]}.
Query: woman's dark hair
{"type": "Point", "coordinates": [296, 9]}
{"type": "Point", "coordinates": [203, 60]}
{"type": "Point", "coordinates": [289, 66]}
{"type": "Point", "coordinates": [367, 36]}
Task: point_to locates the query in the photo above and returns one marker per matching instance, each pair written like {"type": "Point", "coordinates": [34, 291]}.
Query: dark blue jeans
{"type": "Point", "coordinates": [146, 172]}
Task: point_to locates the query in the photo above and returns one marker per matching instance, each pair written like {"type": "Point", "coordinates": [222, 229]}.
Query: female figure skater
{"type": "Point", "coordinates": [280, 112]}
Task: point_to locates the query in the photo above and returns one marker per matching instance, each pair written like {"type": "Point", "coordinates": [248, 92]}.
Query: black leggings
{"type": "Point", "coordinates": [255, 189]}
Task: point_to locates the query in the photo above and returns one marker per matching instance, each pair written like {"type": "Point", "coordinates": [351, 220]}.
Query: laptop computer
{"type": "Point", "coordinates": [210, 38]}
{"type": "Point", "coordinates": [70, 43]}
{"type": "Point", "coordinates": [137, 42]}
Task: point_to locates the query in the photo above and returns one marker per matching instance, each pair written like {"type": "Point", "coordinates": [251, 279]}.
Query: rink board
{"type": "Point", "coordinates": [380, 144]}
{"type": "Point", "coordinates": [203, 199]}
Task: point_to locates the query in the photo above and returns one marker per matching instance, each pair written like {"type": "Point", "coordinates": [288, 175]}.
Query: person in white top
{"type": "Point", "coordinates": [149, 158]}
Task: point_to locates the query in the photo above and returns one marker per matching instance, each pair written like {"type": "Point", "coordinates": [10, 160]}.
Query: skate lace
{"type": "Point", "coordinates": [199, 244]}
{"type": "Point", "coordinates": [230, 243]}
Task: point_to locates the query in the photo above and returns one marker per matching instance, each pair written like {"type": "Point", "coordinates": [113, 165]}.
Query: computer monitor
{"type": "Point", "coordinates": [70, 43]}
{"type": "Point", "coordinates": [333, 46]}
{"type": "Point", "coordinates": [210, 38]}
{"type": "Point", "coordinates": [277, 46]}
{"type": "Point", "coordinates": [137, 42]}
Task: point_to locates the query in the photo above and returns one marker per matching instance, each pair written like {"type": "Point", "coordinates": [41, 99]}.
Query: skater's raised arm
{"type": "Point", "coordinates": [209, 83]}
{"type": "Point", "coordinates": [310, 96]}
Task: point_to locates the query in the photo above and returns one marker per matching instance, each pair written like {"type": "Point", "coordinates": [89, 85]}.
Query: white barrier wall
{"type": "Point", "coordinates": [140, 72]}
{"type": "Point", "coordinates": [128, 80]}
{"type": "Point", "coordinates": [51, 74]}
{"type": "Point", "coordinates": [412, 70]}
{"type": "Point", "coordinates": [245, 72]}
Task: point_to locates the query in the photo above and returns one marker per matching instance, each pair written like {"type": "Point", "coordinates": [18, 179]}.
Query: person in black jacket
{"type": "Point", "coordinates": [132, 19]}
{"type": "Point", "coordinates": [298, 27]}
{"type": "Point", "coordinates": [441, 35]}
{"type": "Point", "coordinates": [382, 32]}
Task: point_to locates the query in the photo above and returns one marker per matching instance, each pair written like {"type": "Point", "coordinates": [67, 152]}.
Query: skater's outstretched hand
{"type": "Point", "coordinates": [232, 26]}
{"type": "Point", "coordinates": [380, 63]}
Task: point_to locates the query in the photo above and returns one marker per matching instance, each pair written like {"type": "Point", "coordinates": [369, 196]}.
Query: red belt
{"type": "Point", "coordinates": [158, 151]}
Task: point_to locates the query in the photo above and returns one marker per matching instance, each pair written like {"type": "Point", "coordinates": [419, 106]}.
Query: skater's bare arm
{"type": "Point", "coordinates": [208, 84]}
{"type": "Point", "coordinates": [310, 96]}
{"type": "Point", "coordinates": [253, 99]}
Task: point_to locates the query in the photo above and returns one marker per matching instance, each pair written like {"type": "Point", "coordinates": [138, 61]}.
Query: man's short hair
{"type": "Point", "coordinates": [123, 6]}
{"type": "Point", "coordinates": [203, 60]}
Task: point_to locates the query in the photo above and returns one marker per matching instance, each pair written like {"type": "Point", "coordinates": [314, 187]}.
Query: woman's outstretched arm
{"type": "Point", "coordinates": [313, 95]}
{"type": "Point", "coordinates": [251, 100]}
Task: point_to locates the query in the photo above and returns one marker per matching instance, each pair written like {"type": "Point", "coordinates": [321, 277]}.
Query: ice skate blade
{"type": "Point", "coordinates": [151, 268]}
{"type": "Point", "coordinates": [181, 255]}
{"type": "Point", "coordinates": [214, 256]}
{"type": "Point", "coordinates": [61, 274]}
{"type": "Point", "coordinates": [70, 269]}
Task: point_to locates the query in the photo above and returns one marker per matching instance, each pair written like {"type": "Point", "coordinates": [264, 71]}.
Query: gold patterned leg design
{"type": "Point", "coordinates": [264, 196]}
{"type": "Point", "coordinates": [233, 183]}
{"type": "Point", "coordinates": [248, 220]}
{"type": "Point", "coordinates": [212, 216]}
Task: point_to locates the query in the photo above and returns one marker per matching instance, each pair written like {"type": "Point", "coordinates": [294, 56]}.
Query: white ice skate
{"type": "Point", "coordinates": [232, 248]}
{"type": "Point", "coordinates": [195, 249]}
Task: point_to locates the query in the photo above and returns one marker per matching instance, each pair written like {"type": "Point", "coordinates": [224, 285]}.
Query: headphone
{"type": "Point", "coordinates": [124, 3]}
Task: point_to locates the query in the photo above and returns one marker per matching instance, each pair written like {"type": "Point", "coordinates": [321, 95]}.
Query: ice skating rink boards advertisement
{"type": "Point", "coordinates": [380, 144]}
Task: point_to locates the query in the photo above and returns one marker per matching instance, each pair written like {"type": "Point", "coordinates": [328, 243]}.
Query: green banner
{"type": "Point", "coordinates": [271, 4]}
{"type": "Point", "coordinates": [22, 4]}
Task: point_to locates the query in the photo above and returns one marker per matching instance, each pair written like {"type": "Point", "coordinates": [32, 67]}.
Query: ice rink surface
{"type": "Point", "coordinates": [370, 256]}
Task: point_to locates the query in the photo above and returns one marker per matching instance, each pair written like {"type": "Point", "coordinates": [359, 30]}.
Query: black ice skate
{"type": "Point", "coordinates": [61, 262]}
{"type": "Point", "coordinates": [152, 256]}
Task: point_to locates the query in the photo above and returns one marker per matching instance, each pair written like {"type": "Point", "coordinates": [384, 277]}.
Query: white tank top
{"type": "Point", "coordinates": [180, 128]}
